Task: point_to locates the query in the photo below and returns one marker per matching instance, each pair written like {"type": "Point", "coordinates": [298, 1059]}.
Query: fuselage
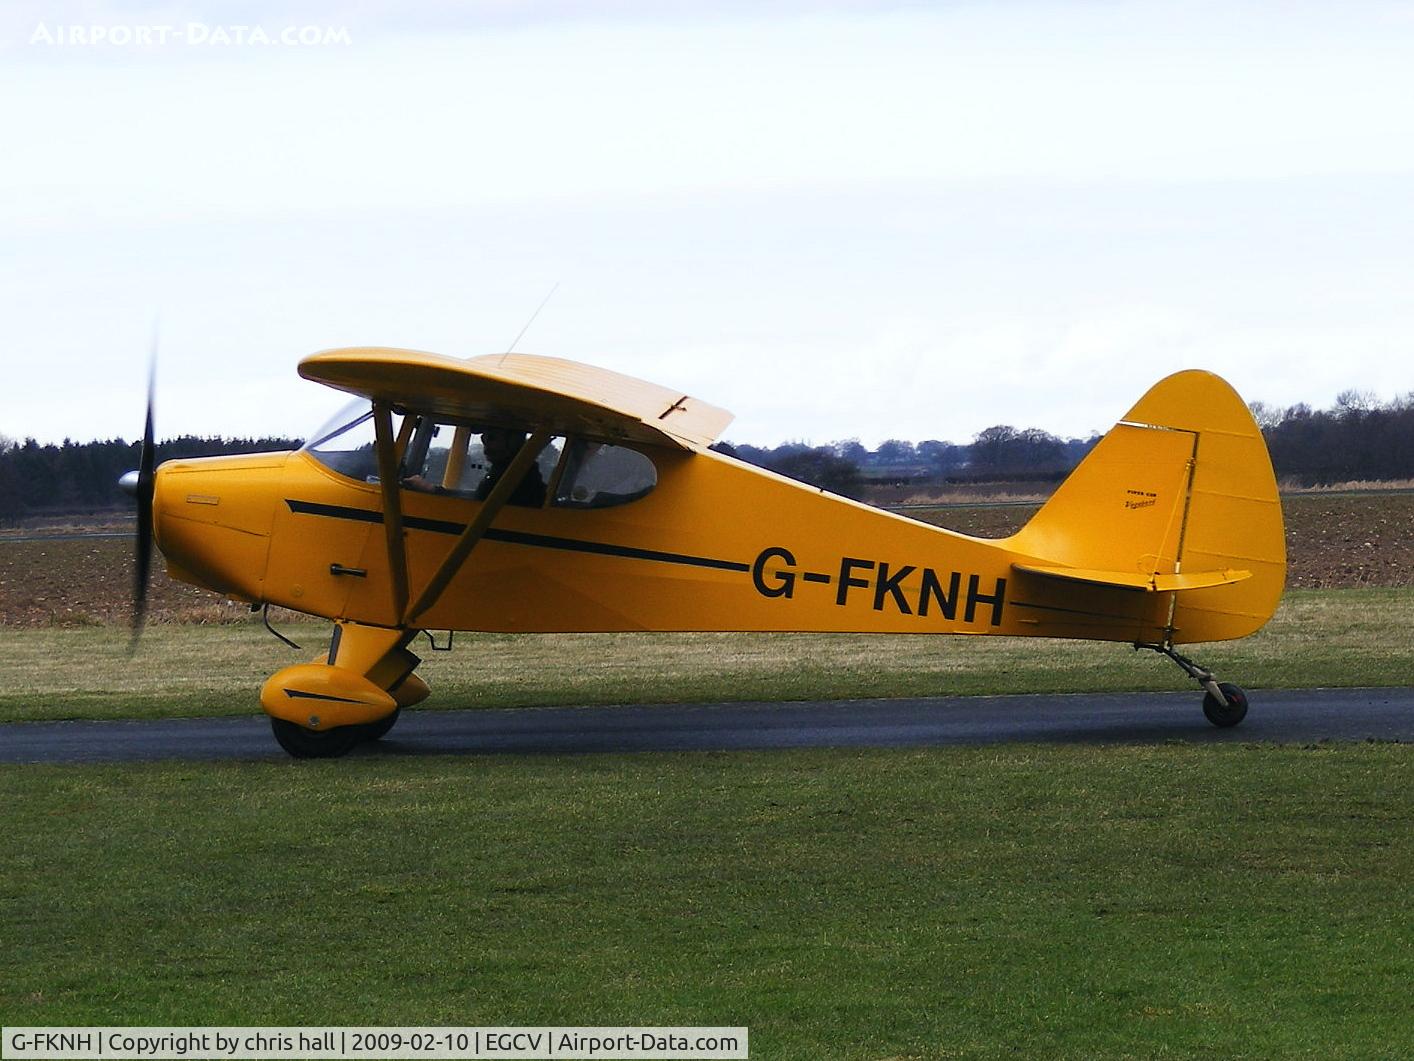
{"type": "Point", "coordinates": [716, 544]}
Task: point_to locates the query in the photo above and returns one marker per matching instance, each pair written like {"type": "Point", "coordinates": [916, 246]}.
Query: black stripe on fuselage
{"type": "Point", "coordinates": [541, 541]}
{"type": "Point", "coordinates": [300, 694]}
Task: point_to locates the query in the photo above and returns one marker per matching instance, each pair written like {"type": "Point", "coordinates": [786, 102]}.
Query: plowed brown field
{"type": "Point", "coordinates": [1347, 540]}
{"type": "Point", "coordinates": [1332, 540]}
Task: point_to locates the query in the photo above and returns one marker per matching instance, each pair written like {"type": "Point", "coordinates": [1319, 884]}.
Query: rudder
{"type": "Point", "coordinates": [1181, 486]}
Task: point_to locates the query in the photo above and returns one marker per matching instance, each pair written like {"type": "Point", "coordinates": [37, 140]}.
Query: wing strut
{"type": "Point", "coordinates": [388, 458]}
{"type": "Point", "coordinates": [490, 509]}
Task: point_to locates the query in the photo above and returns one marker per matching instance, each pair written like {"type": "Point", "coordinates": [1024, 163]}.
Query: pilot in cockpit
{"type": "Point", "coordinates": [501, 445]}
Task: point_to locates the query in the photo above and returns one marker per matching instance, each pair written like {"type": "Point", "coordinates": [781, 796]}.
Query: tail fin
{"type": "Point", "coordinates": [1178, 499]}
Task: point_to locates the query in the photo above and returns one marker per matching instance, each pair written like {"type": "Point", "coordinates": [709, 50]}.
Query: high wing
{"type": "Point", "coordinates": [543, 394]}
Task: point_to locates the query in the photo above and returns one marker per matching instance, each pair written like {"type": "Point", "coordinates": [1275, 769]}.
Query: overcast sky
{"type": "Point", "coordinates": [835, 219]}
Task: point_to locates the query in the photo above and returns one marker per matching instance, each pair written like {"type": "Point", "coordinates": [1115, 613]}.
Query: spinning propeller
{"type": "Point", "coordinates": [140, 485]}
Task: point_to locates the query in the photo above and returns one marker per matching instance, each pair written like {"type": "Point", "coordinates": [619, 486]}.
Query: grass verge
{"type": "Point", "coordinates": [1318, 638]}
{"type": "Point", "coordinates": [1058, 901]}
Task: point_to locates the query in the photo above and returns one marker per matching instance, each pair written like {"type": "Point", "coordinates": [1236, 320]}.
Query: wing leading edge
{"type": "Point", "coordinates": [522, 390]}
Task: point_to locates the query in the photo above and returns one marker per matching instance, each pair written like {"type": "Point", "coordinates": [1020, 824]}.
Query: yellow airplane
{"type": "Point", "coordinates": [518, 493]}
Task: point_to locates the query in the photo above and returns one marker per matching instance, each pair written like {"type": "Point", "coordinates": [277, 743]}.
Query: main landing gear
{"type": "Point", "coordinates": [355, 693]}
{"type": "Point", "coordinates": [1224, 704]}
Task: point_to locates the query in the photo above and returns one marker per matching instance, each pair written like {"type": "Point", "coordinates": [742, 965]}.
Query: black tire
{"type": "Point", "coordinates": [1230, 713]}
{"type": "Point", "coordinates": [305, 743]}
{"type": "Point", "coordinates": [379, 729]}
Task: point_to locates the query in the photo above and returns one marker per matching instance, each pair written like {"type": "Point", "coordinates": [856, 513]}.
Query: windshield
{"type": "Point", "coordinates": [345, 443]}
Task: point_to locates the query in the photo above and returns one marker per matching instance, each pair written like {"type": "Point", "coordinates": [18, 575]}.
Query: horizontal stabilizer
{"type": "Point", "coordinates": [1137, 580]}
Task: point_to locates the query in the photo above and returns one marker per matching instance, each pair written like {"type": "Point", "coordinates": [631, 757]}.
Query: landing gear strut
{"type": "Point", "coordinates": [1224, 704]}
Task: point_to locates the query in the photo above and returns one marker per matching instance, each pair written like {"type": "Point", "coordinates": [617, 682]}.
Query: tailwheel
{"type": "Point", "coordinates": [378, 730]}
{"type": "Point", "coordinates": [1224, 704]}
{"type": "Point", "coordinates": [1226, 714]}
{"type": "Point", "coordinates": [305, 743]}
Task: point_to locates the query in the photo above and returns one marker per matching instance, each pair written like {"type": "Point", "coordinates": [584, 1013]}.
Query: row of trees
{"type": "Point", "coordinates": [80, 476]}
{"type": "Point", "coordinates": [1357, 438]}
{"type": "Point", "coordinates": [996, 453]}
{"type": "Point", "coordinates": [847, 467]}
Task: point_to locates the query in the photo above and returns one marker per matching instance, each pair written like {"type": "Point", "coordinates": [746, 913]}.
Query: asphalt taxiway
{"type": "Point", "coordinates": [1286, 715]}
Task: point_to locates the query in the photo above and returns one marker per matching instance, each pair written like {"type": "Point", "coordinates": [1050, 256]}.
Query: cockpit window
{"type": "Point", "coordinates": [436, 457]}
{"type": "Point", "coordinates": [598, 475]}
{"type": "Point", "coordinates": [465, 460]}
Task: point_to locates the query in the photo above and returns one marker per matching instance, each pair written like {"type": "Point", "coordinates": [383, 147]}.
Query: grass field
{"type": "Point", "coordinates": [1318, 638]}
{"type": "Point", "coordinates": [1049, 901]}
{"type": "Point", "coordinates": [1217, 901]}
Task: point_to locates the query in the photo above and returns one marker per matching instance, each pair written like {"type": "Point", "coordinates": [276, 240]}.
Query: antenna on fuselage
{"type": "Point", "coordinates": [521, 334]}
